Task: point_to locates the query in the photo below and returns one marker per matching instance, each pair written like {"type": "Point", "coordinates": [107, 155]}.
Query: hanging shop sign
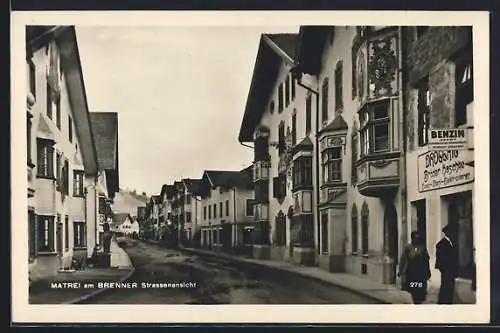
{"type": "Point", "coordinates": [445, 168]}
{"type": "Point", "coordinates": [450, 138]}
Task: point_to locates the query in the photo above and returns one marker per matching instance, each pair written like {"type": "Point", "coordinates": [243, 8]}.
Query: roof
{"type": "Point", "coordinates": [156, 199]}
{"type": "Point", "coordinates": [337, 124]}
{"type": "Point", "coordinates": [119, 218]}
{"type": "Point", "coordinates": [167, 189]}
{"type": "Point", "coordinates": [105, 130]}
{"type": "Point", "coordinates": [192, 185]}
{"type": "Point", "coordinates": [310, 46]}
{"type": "Point", "coordinates": [304, 145]}
{"type": "Point", "coordinates": [230, 179]}
{"type": "Point", "coordinates": [272, 52]}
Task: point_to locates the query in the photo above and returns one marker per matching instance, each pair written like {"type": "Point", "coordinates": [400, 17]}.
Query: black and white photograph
{"type": "Point", "coordinates": [320, 163]}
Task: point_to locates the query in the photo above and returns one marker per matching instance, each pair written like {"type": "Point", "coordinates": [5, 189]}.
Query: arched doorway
{"type": "Point", "coordinates": [391, 232]}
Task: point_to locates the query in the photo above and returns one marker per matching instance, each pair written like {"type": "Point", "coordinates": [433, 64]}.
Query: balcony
{"type": "Point", "coordinates": [378, 175]}
{"type": "Point", "coordinates": [333, 194]}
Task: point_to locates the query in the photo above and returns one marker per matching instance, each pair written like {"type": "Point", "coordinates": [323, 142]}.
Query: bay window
{"type": "Point", "coordinates": [332, 165]}
{"type": "Point", "coordinates": [302, 172]}
{"type": "Point", "coordinates": [374, 129]}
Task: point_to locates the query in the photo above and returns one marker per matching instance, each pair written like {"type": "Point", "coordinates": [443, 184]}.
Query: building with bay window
{"type": "Point", "coordinates": [62, 161]}
{"type": "Point", "coordinates": [279, 119]}
{"type": "Point", "coordinates": [227, 216]}
{"type": "Point", "coordinates": [440, 95]}
{"type": "Point", "coordinates": [355, 72]}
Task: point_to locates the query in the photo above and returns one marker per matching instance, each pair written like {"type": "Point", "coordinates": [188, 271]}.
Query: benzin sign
{"type": "Point", "coordinates": [449, 138]}
{"type": "Point", "coordinates": [445, 168]}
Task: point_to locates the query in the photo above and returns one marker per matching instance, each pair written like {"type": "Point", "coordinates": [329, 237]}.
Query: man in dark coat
{"type": "Point", "coordinates": [447, 264]}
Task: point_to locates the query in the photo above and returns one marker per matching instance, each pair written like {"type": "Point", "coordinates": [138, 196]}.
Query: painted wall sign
{"type": "Point", "coordinates": [449, 138]}
{"type": "Point", "coordinates": [441, 169]}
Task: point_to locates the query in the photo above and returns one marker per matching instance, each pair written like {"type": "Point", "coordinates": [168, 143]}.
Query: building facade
{"type": "Point", "coordinates": [227, 218]}
{"type": "Point", "coordinates": [192, 207]}
{"type": "Point", "coordinates": [440, 184]}
{"type": "Point", "coordinates": [62, 214]}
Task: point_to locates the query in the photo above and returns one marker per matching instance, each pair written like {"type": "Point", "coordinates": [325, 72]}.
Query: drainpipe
{"type": "Point", "coordinates": [316, 93]}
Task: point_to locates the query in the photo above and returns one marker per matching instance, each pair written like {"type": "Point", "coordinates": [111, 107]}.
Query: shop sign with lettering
{"type": "Point", "coordinates": [444, 168]}
{"type": "Point", "coordinates": [450, 138]}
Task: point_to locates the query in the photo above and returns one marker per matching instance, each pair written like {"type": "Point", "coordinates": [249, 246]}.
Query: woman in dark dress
{"type": "Point", "coordinates": [414, 269]}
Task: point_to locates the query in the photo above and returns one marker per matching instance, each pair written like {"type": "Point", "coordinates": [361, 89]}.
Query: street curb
{"type": "Point", "coordinates": [100, 291]}
{"type": "Point", "coordinates": [355, 291]}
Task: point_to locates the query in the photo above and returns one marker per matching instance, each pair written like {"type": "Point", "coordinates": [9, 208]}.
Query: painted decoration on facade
{"type": "Point", "coordinates": [382, 68]}
{"type": "Point", "coordinates": [332, 141]}
{"type": "Point", "coordinates": [361, 74]}
{"type": "Point", "coordinates": [442, 169]}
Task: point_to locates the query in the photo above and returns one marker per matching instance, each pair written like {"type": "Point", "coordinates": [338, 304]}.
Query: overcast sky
{"type": "Point", "coordinates": [180, 95]}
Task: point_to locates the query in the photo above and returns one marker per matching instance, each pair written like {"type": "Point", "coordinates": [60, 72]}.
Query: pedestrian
{"type": "Point", "coordinates": [414, 269]}
{"type": "Point", "coordinates": [447, 264]}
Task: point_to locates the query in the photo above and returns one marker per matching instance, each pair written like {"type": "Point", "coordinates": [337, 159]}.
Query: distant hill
{"type": "Point", "coordinates": [127, 202]}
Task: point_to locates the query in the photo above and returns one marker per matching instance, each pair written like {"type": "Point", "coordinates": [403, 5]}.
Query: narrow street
{"type": "Point", "coordinates": [218, 281]}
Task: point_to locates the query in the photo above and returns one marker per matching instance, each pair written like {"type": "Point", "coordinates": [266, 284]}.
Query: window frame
{"type": "Point", "coordinates": [45, 241]}
{"type": "Point", "coordinates": [287, 91]}
{"type": "Point", "coordinates": [49, 103]}
{"type": "Point", "coordinates": [227, 207]}
{"type": "Point", "coordinates": [464, 91]}
{"type": "Point", "coordinates": [70, 129]}
{"type": "Point", "coordinates": [280, 98]}
{"type": "Point", "coordinates": [308, 113]}
{"type": "Point", "coordinates": [66, 232]}
{"type": "Point", "coordinates": [423, 112]}
{"type": "Point", "coordinates": [79, 243]}
{"type": "Point", "coordinates": [302, 172]}
{"type": "Point", "coordinates": [331, 165]}
{"type": "Point", "coordinates": [368, 123]}
{"type": "Point", "coordinates": [324, 100]}
{"type": "Point", "coordinates": [221, 209]}
{"type": "Point", "coordinates": [339, 101]}
{"type": "Point", "coordinates": [249, 207]}
{"type": "Point", "coordinates": [78, 183]}
{"type": "Point", "coordinates": [45, 162]}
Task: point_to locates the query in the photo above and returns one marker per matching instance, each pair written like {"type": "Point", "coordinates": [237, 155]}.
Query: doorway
{"type": "Point", "coordinates": [391, 232]}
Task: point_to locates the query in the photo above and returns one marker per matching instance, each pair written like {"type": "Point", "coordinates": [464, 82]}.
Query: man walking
{"type": "Point", "coordinates": [447, 264]}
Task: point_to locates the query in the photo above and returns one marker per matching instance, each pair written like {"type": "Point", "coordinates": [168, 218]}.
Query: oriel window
{"type": "Point", "coordinates": [332, 165]}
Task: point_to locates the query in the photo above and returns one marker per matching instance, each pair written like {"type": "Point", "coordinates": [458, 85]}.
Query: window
{"type": "Point", "coordinates": [220, 209]}
{"type": "Point", "coordinates": [65, 175]}
{"type": "Point", "coordinates": [209, 212]}
{"type": "Point", "coordinates": [188, 199]}
{"type": "Point", "coordinates": [374, 130]}
{"type": "Point", "coordinates": [424, 102]}
{"type": "Point", "coordinates": [215, 211]}
{"type": "Point", "coordinates": [188, 217]}
{"type": "Point", "coordinates": [287, 91]}
{"type": "Point", "coordinates": [464, 91]}
{"type": "Point", "coordinates": [308, 113]}
{"type": "Point", "coordinates": [249, 207]}
{"type": "Point", "coordinates": [58, 112]}
{"type": "Point", "coordinates": [332, 165]}
{"type": "Point", "coordinates": [281, 138]}
{"type": "Point", "coordinates": [339, 103]}
{"type": "Point", "coordinates": [294, 129]}
{"type": "Point", "coordinates": [49, 101]}
{"type": "Point", "coordinates": [421, 30]}
{"type": "Point", "coordinates": [354, 230]}
{"type": "Point", "coordinates": [354, 158]}
{"type": "Point", "coordinates": [79, 234]}
{"type": "Point", "coordinates": [45, 233]}
{"type": "Point", "coordinates": [58, 171]}
{"type": "Point", "coordinates": [271, 107]}
{"type": "Point", "coordinates": [324, 101]}
{"type": "Point", "coordinates": [293, 82]}
{"type": "Point", "coordinates": [279, 186]}
{"type": "Point", "coordinates": [66, 232]}
{"type": "Point", "coordinates": [302, 172]}
{"type": "Point", "coordinates": [364, 228]}
{"type": "Point", "coordinates": [70, 129]}
{"type": "Point", "coordinates": [205, 212]}
{"type": "Point", "coordinates": [45, 153]}
{"type": "Point", "coordinates": [280, 98]}
{"type": "Point", "coordinates": [354, 83]}
{"type": "Point", "coordinates": [227, 207]}
{"type": "Point", "coordinates": [324, 233]}
{"type": "Point", "coordinates": [78, 183]}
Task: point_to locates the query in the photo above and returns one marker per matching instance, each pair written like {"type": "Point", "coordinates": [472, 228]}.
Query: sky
{"type": "Point", "coordinates": [180, 94]}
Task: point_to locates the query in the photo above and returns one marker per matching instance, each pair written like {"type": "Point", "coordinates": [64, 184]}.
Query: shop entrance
{"type": "Point", "coordinates": [460, 218]}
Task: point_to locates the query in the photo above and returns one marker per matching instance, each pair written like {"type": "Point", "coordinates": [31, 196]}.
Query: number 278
{"type": "Point", "coordinates": [416, 284]}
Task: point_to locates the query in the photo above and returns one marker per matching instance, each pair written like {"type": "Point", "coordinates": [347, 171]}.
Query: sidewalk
{"type": "Point", "coordinates": [48, 291]}
{"type": "Point", "coordinates": [389, 294]}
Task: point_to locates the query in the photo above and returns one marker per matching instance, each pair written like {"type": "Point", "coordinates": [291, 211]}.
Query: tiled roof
{"type": "Point", "coordinates": [337, 124]}
{"type": "Point", "coordinates": [105, 130]}
{"type": "Point", "coordinates": [229, 179]}
{"type": "Point", "coordinates": [286, 42]}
